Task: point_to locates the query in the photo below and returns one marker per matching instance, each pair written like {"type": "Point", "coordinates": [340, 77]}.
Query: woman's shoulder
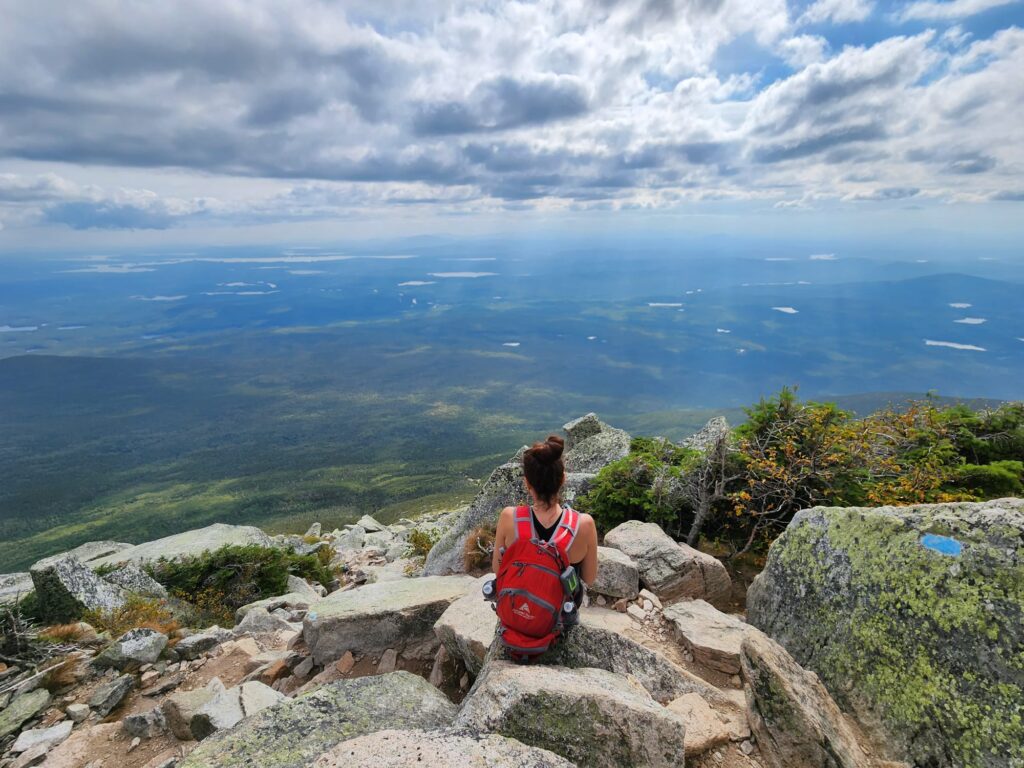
{"type": "Point", "coordinates": [586, 521]}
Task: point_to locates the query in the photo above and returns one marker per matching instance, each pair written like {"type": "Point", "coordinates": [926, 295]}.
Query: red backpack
{"type": "Point", "coordinates": [534, 582]}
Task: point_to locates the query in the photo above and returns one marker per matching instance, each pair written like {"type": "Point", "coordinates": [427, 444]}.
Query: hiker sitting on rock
{"type": "Point", "coordinates": [543, 556]}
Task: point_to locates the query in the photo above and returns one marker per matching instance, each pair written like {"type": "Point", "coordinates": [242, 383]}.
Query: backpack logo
{"type": "Point", "coordinates": [523, 611]}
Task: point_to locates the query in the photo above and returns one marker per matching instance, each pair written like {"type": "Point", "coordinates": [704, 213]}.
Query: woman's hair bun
{"type": "Point", "coordinates": [551, 449]}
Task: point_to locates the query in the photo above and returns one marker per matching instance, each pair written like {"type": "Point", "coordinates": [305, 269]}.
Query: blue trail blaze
{"type": "Point", "coordinates": [942, 544]}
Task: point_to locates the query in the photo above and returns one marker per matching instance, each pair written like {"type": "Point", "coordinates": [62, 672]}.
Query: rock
{"type": "Point", "coordinates": [45, 737]}
{"type": "Point", "coordinates": [396, 614]}
{"type": "Point", "coordinates": [30, 757]}
{"type": "Point", "coordinates": [314, 531]}
{"type": "Point", "coordinates": [194, 646]}
{"type": "Point", "coordinates": [669, 569]}
{"type": "Point", "coordinates": [436, 749]}
{"type": "Point", "coordinates": [704, 728]}
{"type": "Point", "coordinates": [145, 725]}
{"type": "Point", "coordinates": [388, 662]}
{"type": "Point", "coordinates": [351, 539]}
{"type": "Point", "coordinates": [646, 594]}
{"type": "Point", "coordinates": [21, 709]}
{"type": "Point", "coordinates": [293, 601]}
{"type": "Point", "coordinates": [77, 712]}
{"type": "Point", "coordinates": [794, 719]}
{"type": "Point", "coordinates": [345, 663]}
{"type": "Point", "coordinates": [293, 733]}
{"type": "Point", "coordinates": [635, 612]}
{"type": "Point", "coordinates": [229, 707]}
{"type": "Point", "coordinates": [110, 694]}
{"type": "Point", "coordinates": [193, 542]}
{"type": "Point", "coordinates": [91, 551]}
{"type": "Point", "coordinates": [467, 627]}
{"type": "Point", "coordinates": [396, 551]}
{"type": "Point", "coordinates": [65, 588]}
{"type": "Point", "coordinates": [14, 587]}
{"type": "Point", "coordinates": [436, 677]}
{"type": "Point", "coordinates": [369, 525]}
{"type": "Point", "coordinates": [259, 622]}
{"type": "Point", "coordinates": [708, 435]}
{"type": "Point", "coordinates": [179, 708]}
{"type": "Point", "coordinates": [299, 586]}
{"type": "Point", "coordinates": [911, 617]}
{"type": "Point", "coordinates": [131, 578]}
{"type": "Point", "coordinates": [617, 574]}
{"type": "Point", "coordinates": [590, 445]}
{"type": "Point", "coordinates": [133, 649]}
{"type": "Point", "coordinates": [712, 637]}
{"type": "Point", "coordinates": [573, 713]}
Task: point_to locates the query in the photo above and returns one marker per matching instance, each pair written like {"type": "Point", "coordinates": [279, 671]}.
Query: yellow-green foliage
{"type": "Point", "coordinates": [136, 612]}
{"type": "Point", "coordinates": [422, 541]}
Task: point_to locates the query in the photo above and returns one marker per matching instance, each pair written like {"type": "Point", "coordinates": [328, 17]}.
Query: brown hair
{"type": "Point", "coordinates": [544, 468]}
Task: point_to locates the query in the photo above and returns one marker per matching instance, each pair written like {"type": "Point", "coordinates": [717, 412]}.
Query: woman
{"type": "Point", "coordinates": [544, 475]}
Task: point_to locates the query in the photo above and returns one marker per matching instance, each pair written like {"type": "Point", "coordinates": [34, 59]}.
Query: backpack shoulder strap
{"type": "Point", "coordinates": [565, 533]}
{"type": "Point", "coordinates": [524, 524]}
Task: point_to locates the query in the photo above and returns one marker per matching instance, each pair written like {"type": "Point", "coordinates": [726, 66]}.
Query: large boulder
{"type": "Point", "coordinates": [437, 749]}
{"type": "Point", "coordinates": [589, 716]}
{"type": "Point", "coordinates": [45, 737]}
{"type": "Point", "coordinates": [92, 551]}
{"type": "Point", "coordinates": [913, 617]}
{"type": "Point", "coordinates": [14, 587]}
{"type": "Point", "coordinates": [590, 445]}
{"type": "Point", "coordinates": [712, 637]}
{"type": "Point", "coordinates": [795, 720]}
{"type": "Point", "coordinates": [617, 574]}
{"type": "Point", "coordinates": [131, 578]}
{"type": "Point", "coordinates": [180, 707]}
{"type": "Point", "coordinates": [133, 649]}
{"type": "Point", "coordinates": [293, 601]}
{"type": "Point", "coordinates": [466, 628]}
{"type": "Point", "coordinates": [66, 587]}
{"type": "Point", "coordinates": [188, 543]}
{"type": "Point", "coordinates": [603, 639]}
{"type": "Point", "coordinates": [670, 569]}
{"type": "Point", "coordinates": [293, 733]}
{"type": "Point", "coordinates": [375, 617]}
{"type": "Point", "coordinates": [708, 435]}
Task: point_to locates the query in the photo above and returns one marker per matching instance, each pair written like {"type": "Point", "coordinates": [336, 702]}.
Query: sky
{"type": "Point", "coordinates": [265, 120]}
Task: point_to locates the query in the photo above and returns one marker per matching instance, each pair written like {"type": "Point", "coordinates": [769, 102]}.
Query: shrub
{"type": "Point", "coordinates": [137, 612]}
{"type": "Point", "coordinates": [63, 674]}
{"type": "Point", "coordinates": [423, 541]}
{"type": "Point", "coordinates": [479, 549]}
{"type": "Point", "coordinates": [220, 582]}
{"type": "Point", "coordinates": [1000, 478]}
{"type": "Point", "coordinates": [63, 633]}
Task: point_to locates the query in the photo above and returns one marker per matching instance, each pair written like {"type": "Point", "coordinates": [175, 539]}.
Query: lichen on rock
{"type": "Point", "coordinates": [924, 643]}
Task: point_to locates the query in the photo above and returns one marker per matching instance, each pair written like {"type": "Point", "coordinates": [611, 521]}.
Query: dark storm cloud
{"type": "Point", "coordinates": [501, 104]}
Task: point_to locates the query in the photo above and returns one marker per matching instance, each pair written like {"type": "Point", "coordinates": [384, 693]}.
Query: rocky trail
{"type": "Point", "coordinates": [398, 665]}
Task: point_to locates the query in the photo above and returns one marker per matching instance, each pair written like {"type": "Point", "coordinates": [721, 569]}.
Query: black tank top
{"type": "Point", "coordinates": [546, 532]}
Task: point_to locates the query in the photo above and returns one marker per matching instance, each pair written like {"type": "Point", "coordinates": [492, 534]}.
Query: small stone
{"type": "Point", "coordinates": [77, 712]}
{"type": "Point", "coordinates": [314, 531]}
{"type": "Point", "coordinates": [149, 677]}
{"type": "Point", "coordinates": [345, 663]}
{"type": "Point", "coordinates": [135, 742]}
{"type": "Point", "coordinates": [635, 612]}
{"type": "Point", "coordinates": [648, 606]}
{"type": "Point", "coordinates": [30, 757]}
{"type": "Point", "coordinates": [304, 668]}
{"type": "Point", "coordinates": [388, 661]}
{"type": "Point", "coordinates": [747, 747]}
{"type": "Point", "coordinates": [601, 601]}
{"type": "Point", "coordinates": [464, 681]}
{"type": "Point", "coordinates": [621, 605]}
{"type": "Point", "coordinates": [108, 696]}
{"type": "Point", "coordinates": [646, 594]}
{"type": "Point", "coordinates": [46, 737]}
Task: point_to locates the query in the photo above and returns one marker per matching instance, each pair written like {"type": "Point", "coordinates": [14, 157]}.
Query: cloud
{"type": "Point", "coordinates": [303, 109]}
{"type": "Point", "coordinates": [504, 103]}
{"type": "Point", "coordinates": [106, 216]}
{"type": "Point", "coordinates": [836, 11]}
{"type": "Point", "coordinates": [929, 10]}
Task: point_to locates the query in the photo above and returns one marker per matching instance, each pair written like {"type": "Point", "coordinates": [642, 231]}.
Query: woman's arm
{"type": "Point", "coordinates": [588, 531]}
{"type": "Point", "coordinates": [503, 536]}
